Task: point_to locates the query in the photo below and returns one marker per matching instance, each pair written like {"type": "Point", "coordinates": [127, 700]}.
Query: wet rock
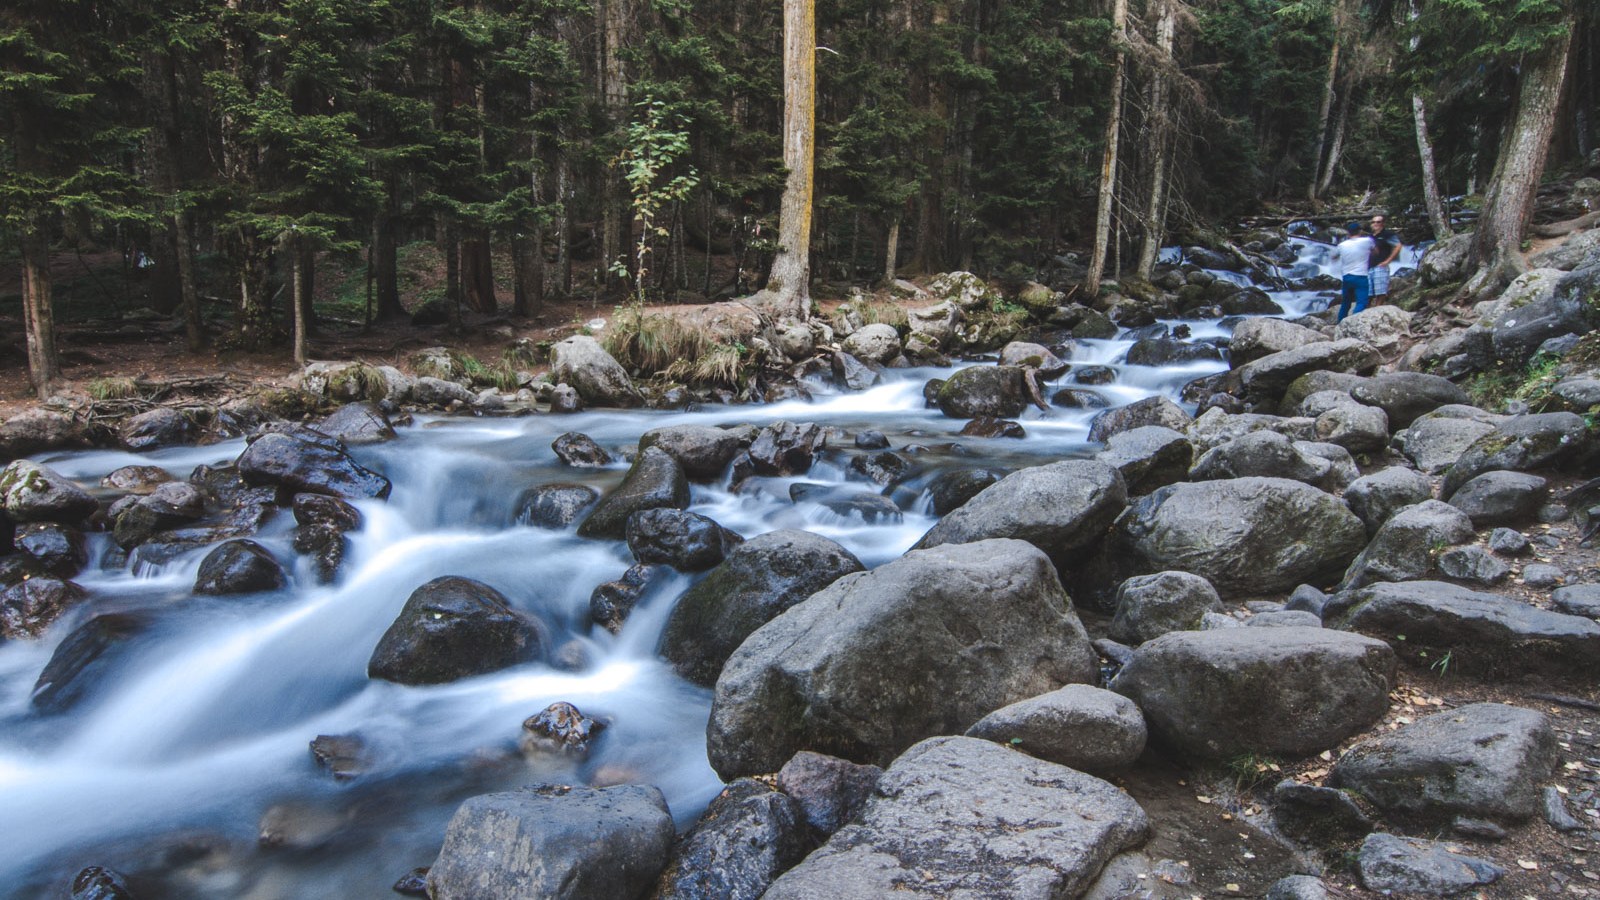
{"type": "Point", "coordinates": [1501, 498]}
{"type": "Point", "coordinates": [1266, 379]}
{"type": "Point", "coordinates": [305, 461]}
{"type": "Point", "coordinates": [452, 628]}
{"type": "Point", "coordinates": [1388, 863]}
{"type": "Point", "coordinates": [1149, 411]}
{"type": "Point", "coordinates": [159, 427]}
{"type": "Point", "coordinates": [319, 509]}
{"type": "Point", "coordinates": [100, 883]}
{"type": "Point", "coordinates": [30, 492]}
{"type": "Point", "coordinates": [1094, 375]}
{"type": "Point", "coordinates": [1407, 396]}
{"type": "Point", "coordinates": [412, 884]}
{"type": "Point", "coordinates": [1578, 600]}
{"type": "Point", "coordinates": [1078, 726]}
{"type": "Point", "coordinates": [29, 607]}
{"type": "Point", "coordinates": [998, 391]}
{"type": "Point", "coordinates": [829, 792]}
{"type": "Point", "coordinates": [344, 756]}
{"type": "Point", "coordinates": [1434, 444]}
{"type": "Point", "coordinates": [748, 836]}
{"type": "Point", "coordinates": [559, 728]}
{"type": "Point", "coordinates": [564, 399]}
{"type": "Point", "coordinates": [1264, 454]}
{"type": "Point", "coordinates": [170, 505]}
{"type": "Point", "coordinates": [687, 541]}
{"type": "Point", "coordinates": [598, 378]}
{"type": "Point", "coordinates": [1074, 398]}
{"type": "Point", "coordinates": [785, 448]}
{"type": "Point", "coordinates": [929, 830]}
{"type": "Point", "coordinates": [136, 479]}
{"type": "Point", "coordinates": [876, 343]}
{"type": "Point", "coordinates": [554, 841]}
{"type": "Point", "coordinates": [871, 440]}
{"type": "Point", "coordinates": [1483, 760]}
{"type": "Point", "coordinates": [34, 431]}
{"type": "Point", "coordinates": [852, 374]}
{"type": "Point", "coordinates": [1167, 352]}
{"type": "Point", "coordinates": [1276, 691]}
{"type": "Point", "coordinates": [813, 677]}
{"type": "Point", "coordinates": [1473, 564]}
{"type": "Point", "coordinates": [83, 660]}
{"type": "Point", "coordinates": [1038, 356]}
{"type": "Point", "coordinates": [704, 452]}
{"type": "Point", "coordinates": [1483, 633]}
{"type": "Point", "coordinates": [952, 489]}
{"type": "Point", "coordinates": [1061, 508]}
{"type": "Point", "coordinates": [555, 505]}
{"type": "Point", "coordinates": [1377, 497]}
{"type": "Point", "coordinates": [580, 450]}
{"type": "Point", "coordinates": [358, 423]}
{"type": "Point", "coordinates": [1255, 338]}
{"type": "Point", "coordinates": [869, 507]}
{"type": "Point", "coordinates": [1149, 606]}
{"type": "Point", "coordinates": [1148, 457]}
{"type": "Point", "coordinates": [1094, 325]}
{"type": "Point", "coordinates": [1249, 302]}
{"type": "Point", "coordinates": [1405, 548]}
{"type": "Point", "coordinates": [57, 549]}
{"type": "Point", "coordinates": [1246, 536]}
{"type": "Point", "coordinates": [760, 579]}
{"type": "Point", "coordinates": [239, 567]}
{"type": "Point", "coordinates": [1317, 815]}
{"type": "Point", "coordinates": [655, 481]}
{"type": "Point", "coordinates": [1519, 444]}
{"type": "Point", "coordinates": [990, 427]}
{"type": "Point", "coordinates": [612, 601]}
{"type": "Point", "coordinates": [884, 468]}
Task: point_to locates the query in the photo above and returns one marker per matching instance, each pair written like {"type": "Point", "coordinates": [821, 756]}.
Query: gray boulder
{"type": "Point", "coordinates": [1482, 761]}
{"type": "Point", "coordinates": [1149, 606]}
{"type": "Point", "coordinates": [1560, 307]}
{"type": "Point", "coordinates": [159, 427]}
{"type": "Point", "coordinates": [1405, 547]}
{"type": "Point", "coordinates": [748, 836]}
{"type": "Point", "coordinates": [1382, 327]}
{"type": "Point", "coordinates": [828, 791]}
{"type": "Point", "coordinates": [1501, 498]}
{"type": "Point", "coordinates": [239, 567]}
{"type": "Point", "coordinates": [877, 343]}
{"type": "Point", "coordinates": [1377, 497]}
{"type": "Point", "coordinates": [1445, 261]}
{"type": "Point", "coordinates": [358, 423]}
{"type": "Point", "coordinates": [1412, 866]}
{"type": "Point", "coordinates": [1519, 444]}
{"type": "Point", "coordinates": [655, 481]}
{"type": "Point", "coordinates": [451, 628]}
{"type": "Point", "coordinates": [440, 394]}
{"type": "Point", "coordinates": [819, 676]}
{"type": "Point", "coordinates": [305, 461]}
{"type": "Point", "coordinates": [574, 843]}
{"type": "Point", "coordinates": [1578, 600]}
{"type": "Point", "coordinates": [1215, 427]}
{"type": "Point", "coordinates": [1405, 396]}
{"type": "Point", "coordinates": [1298, 887]}
{"type": "Point", "coordinates": [952, 488]}
{"type": "Point", "coordinates": [38, 430]}
{"type": "Point", "coordinates": [554, 505]}
{"type": "Point", "coordinates": [1357, 428]}
{"type": "Point", "coordinates": [956, 817]}
{"type": "Point", "coordinates": [1169, 351]}
{"type": "Point", "coordinates": [1038, 356]}
{"type": "Point", "coordinates": [599, 379]}
{"type": "Point", "coordinates": [1149, 411]}
{"type": "Point", "coordinates": [1265, 380]}
{"type": "Point", "coordinates": [686, 541]}
{"type": "Point", "coordinates": [784, 448]}
{"type": "Point", "coordinates": [580, 451]}
{"type": "Point", "coordinates": [1276, 691]}
{"type": "Point", "coordinates": [1079, 726]}
{"type": "Point", "coordinates": [1061, 508]}
{"type": "Point", "coordinates": [1480, 633]}
{"type": "Point", "coordinates": [1244, 535]}
{"type": "Point", "coordinates": [758, 580]}
{"type": "Point", "coordinates": [30, 492]}
{"type": "Point", "coordinates": [1434, 444]}
{"type": "Point", "coordinates": [1255, 338]}
{"type": "Point", "coordinates": [1149, 457]}
{"type": "Point", "coordinates": [999, 391]}
{"type": "Point", "coordinates": [1473, 564]}
{"type": "Point", "coordinates": [1264, 454]}
{"type": "Point", "coordinates": [1342, 468]}
{"type": "Point", "coordinates": [1577, 395]}
{"type": "Point", "coordinates": [704, 452]}
{"type": "Point", "coordinates": [1579, 251]}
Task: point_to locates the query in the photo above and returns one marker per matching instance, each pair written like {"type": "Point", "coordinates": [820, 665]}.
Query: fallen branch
{"type": "Point", "coordinates": [1561, 229]}
{"type": "Point", "coordinates": [1565, 700]}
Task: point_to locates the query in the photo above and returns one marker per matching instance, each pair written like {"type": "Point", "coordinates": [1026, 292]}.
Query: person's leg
{"type": "Point", "coordinates": [1361, 288]}
{"type": "Point", "coordinates": [1346, 295]}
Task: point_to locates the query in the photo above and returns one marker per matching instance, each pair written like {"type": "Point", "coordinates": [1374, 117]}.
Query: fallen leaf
{"type": "Point", "coordinates": [1528, 864]}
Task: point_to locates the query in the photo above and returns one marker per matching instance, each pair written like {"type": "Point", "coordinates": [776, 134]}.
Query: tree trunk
{"type": "Point", "coordinates": [891, 251]}
{"type": "Point", "coordinates": [1108, 160]}
{"type": "Point", "coordinates": [386, 266]}
{"type": "Point", "coordinates": [790, 278]}
{"type": "Point", "coordinates": [1508, 200]}
{"type": "Point", "coordinates": [477, 274]}
{"type": "Point", "coordinates": [301, 303]}
{"type": "Point", "coordinates": [188, 282]}
{"type": "Point", "coordinates": [1339, 130]}
{"type": "Point", "coordinates": [1325, 110]}
{"type": "Point", "coordinates": [38, 313]}
{"type": "Point", "coordinates": [1437, 217]}
{"type": "Point", "coordinates": [616, 222]}
{"type": "Point", "coordinates": [1160, 142]}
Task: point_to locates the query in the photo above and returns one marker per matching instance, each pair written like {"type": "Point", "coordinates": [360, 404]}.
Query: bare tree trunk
{"type": "Point", "coordinates": [616, 223]}
{"type": "Point", "coordinates": [1160, 142]}
{"type": "Point", "coordinates": [1508, 200]}
{"type": "Point", "coordinates": [477, 274]}
{"type": "Point", "coordinates": [790, 278]}
{"type": "Point", "coordinates": [891, 251]}
{"type": "Point", "coordinates": [1339, 130]}
{"type": "Point", "coordinates": [1323, 112]}
{"type": "Point", "coordinates": [1108, 161]}
{"type": "Point", "coordinates": [386, 264]}
{"type": "Point", "coordinates": [38, 313]}
{"type": "Point", "coordinates": [1437, 217]}
{"type": "Point", "coordinates": [301, 301]}
{"type": "Point", "coordinates": [188, 286]}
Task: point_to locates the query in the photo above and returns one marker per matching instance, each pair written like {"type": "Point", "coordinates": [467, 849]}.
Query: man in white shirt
{"type": "Point", "coordinates": [1353, 253]}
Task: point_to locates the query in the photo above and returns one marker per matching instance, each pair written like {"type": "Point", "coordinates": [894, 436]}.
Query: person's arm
{"type": "Point", "coordinates": [1394, 253]}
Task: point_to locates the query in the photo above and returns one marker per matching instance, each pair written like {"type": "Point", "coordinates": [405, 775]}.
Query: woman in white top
{"type": "Point", "coordinates": [1353, 253]}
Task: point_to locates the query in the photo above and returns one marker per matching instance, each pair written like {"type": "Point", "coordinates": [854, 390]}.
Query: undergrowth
{"type": "Point", "coordinates": [652, 344]}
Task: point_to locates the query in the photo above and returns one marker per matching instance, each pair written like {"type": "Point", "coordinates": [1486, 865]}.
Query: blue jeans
{"type": "Point", "coordinates": [1355, 289]}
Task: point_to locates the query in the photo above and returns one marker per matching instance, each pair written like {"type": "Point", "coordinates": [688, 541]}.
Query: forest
{"type": "Point", "coordinates": [637, 146]}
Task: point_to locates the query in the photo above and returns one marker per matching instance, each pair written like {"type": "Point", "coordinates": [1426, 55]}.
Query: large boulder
{"type": "Point", "coordinates": [1255, 338]}
{"type": "Point", "coordinates": [1266, 379]}
{"type": "Point", "coordinates": [1470, 631]}
{"type": "Point", "coordinates": [1481, 761]}
{"type": "Point", "coordinates": [1149, 411]}
{"type": "Point", "coordinates": [1079, 726]}
{"type": "Point", "coordinates": [1377, 497]}
{"type": "Point", "coordinates": [1148, 457]}
{"type": "Point", "coordinates": [1214, 427]}
{"type": "Point", "coordinates": [704, 452]}
{"type": "Point", "coordinates": [686, 541]}
{"type": "Point", "coordinates": [1579, 251]}
{"type": "Point", "coordinates": [1060, 508]}
{"type": "Point", "coordinates": [239, 567]}
{"type": "Point", "coordinates": [580, 451]}
{"type": "Point", "coordinates": [1381, 327]}
{"type": "Point", "coordinates": [83, 661]}
{"type": "Point", "coordinates": [358, 423]}
{"type": "Point", "coordinates": [655, 481]}
{"type": "Point", "coordinates": [1169, 351]}
{"type": "Point", "coordinates": [304, 461]}
{"type": "Point", "coordinates": [1244, 535]}
{"type": "Point", "coordinates": [1434, 443]}
{"type": "Point", "coordinates": [575, 843]}
{"type": "Point", "coordinates": [1519, 444]}
{"type": "Point", "coordinates": [1149, 606]}
{"type": "Point", "coordinates": [159, 427]}
{"type": "Point", "coordinates": [1416, 867]}
{"type": "Point", "coordinates": [1265, 454]}
{"type": "Point", "coordinates": [30, 492]}
{"type": "Point", "coordinates": [29, 607]}
{"type": "Point", "coordinates": [1407, 546]}
{"type": "Point", "coordinates": [877, 343]}
{"type": "Point", "coordinates": [881, 659]}
{"type": "Point", "coordinates": [784, 448]}
{"type": "Point", "coordinates": [1275, 691]}
{"type": "Point", "coordinates": [758, 580]}
{"type": "Point", "coordinates": [1405, 396]}
{"type": "Point", "coordinates": [1354, 426]}
{"type": "Point", "coordinates": [999, 391]}
{"type": "Point", "coordinates": [1501, 498]}
{"type": "Point", "coordinates": [961, 817]}
{"type": "Point", "coordinates": [554, 505]}
{"type": "Point", "coordinates": [38, 430]}
{"type": "Point", "coordinates": [748, 836]}
{"type": "Point", "coordinates": [451, 628]}
{"type": "Point", "coordinates": [1446, 260]}
{"type": "Point", "coordinates": [1564, 308]}
{"type": "Point", "coordinates": [599, 379]}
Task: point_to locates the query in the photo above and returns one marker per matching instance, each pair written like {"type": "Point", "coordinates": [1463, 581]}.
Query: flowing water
{"type": "Point", "coordinates": [201, 724]}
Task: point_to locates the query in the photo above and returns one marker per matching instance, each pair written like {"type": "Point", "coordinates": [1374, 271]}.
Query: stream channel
{"type": "Point", "coordinates": [202, 725]}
